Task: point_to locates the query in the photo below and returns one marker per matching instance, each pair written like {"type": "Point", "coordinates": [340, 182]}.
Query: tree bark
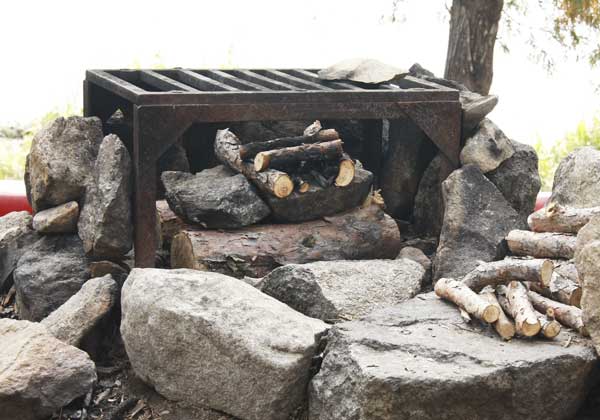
{"type": "Point", "coordinates": [459, 294]}
{"type": "Point", "coordinates": [473, 30]}
{"type": "Point", "coordinates": [569, 316]}
{"type": "Point", "coordinates": [503, 326]}
{"type": "Point", "coordinates": [520, 308]}
{"type": "Point", "coordinates": [504, 271]}
{"type": "Point", "coordinates": [557, 218]}
{"type": "Point", "coordinates": [289, 156]}
{"type": "Point", "coordinates": [550, 328]}
{"type": "Point", "coordinates": [271, 181]}
{"type": "Point", "coordinates": [561, 289]}
{"type": "Point", "coordinates": [363, 233]}
{"type": "Point", "coordinates": [541, 244]}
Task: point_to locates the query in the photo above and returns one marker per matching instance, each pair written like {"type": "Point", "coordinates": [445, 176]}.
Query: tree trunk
{"type": "Point", "coordinates": [473, 30]}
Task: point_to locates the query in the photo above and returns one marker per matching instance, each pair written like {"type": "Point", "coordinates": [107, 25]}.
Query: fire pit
{"type": "Point", "coordinates": [164, 103]}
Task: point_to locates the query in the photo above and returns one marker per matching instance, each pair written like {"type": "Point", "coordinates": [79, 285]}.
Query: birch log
{"type": "Point", "coordinates": [541, 244]}
{"type": "Point", "coordinates": [503, 326]}
{"type": "Point", "coordinates": [504, 271]}
{"type": "Point", "coordinates": [519, 307]}
{"type": "Point", "coordinates": [459, 294]}
{"type": "Point", "coordinates": [569, 316]}
{"type": "Point", "coordinates": [557, 218]}
{"type": "Point", "coordinates": [550, 328]}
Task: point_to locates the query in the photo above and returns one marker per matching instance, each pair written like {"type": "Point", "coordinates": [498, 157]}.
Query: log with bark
{"type": "Point", "coordinates": [557, 218]}
{"type": "Point", "coordinates": [363, 233]}
{"type": "Point", "coordinates": [541, 244]}
{"type": "Point", "coordinates": [459, 294]}
{"type": "Point", "coordinates": [250, 150]}
{"type": "Point", "coordinates": [509, 269]}
{"type": "Point", "coordinates": [550, 328]}
{"type": "Point", "coordinates": [287, 157]}
{"type": "Point", "coordinates": [569, 316]}
{"type": "Point", "coordinates": [519, 307]}
{"type": "Point", "coordinates": [346, 172]}
{"type": "Point", "coordinates": [504, 326]}
{"type": "Point", "coordinates": [271, 181]}
{"type": "Point", "coordinates": [561, 289]}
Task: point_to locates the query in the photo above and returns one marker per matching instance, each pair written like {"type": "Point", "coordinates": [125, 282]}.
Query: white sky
{"type": "Point", "coordinates": [45, 47]}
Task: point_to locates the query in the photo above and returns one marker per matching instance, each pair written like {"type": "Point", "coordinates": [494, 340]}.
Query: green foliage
{"type": "Point", "coordinates": [550, 156]}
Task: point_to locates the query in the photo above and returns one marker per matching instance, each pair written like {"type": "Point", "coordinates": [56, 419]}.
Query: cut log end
{"type": "Point", "coordinates": [491, 314]}
{"type": "Point", "coordinates": [261, 162]}
{"type": "Point", "coordinates": [575, 297]}
{"type": "Point", "coordinates": [551, 329]}
{"type": "Point", "coordinates": [283, 186]}
{"type": "Point", "coordinates": [546, 272]}
{"type": "Point", "coordinates": [304, 187]}
{"type": "Point", "coordinates": [182, 253]}
{"type": "Point", "coordinates": [530, 327]}
{"type": "Point", "coordinates": [345, 173]}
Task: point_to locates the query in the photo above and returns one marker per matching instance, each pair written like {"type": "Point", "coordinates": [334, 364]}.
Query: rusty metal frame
{"type": "Point", "coordinates": [164, 103]}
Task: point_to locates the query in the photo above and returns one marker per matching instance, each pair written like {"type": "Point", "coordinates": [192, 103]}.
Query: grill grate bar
{"type": "Point", "coordinates": [308, 75]}
{"type": "Point", "coordinates": [202, 82]}
{"type": "Point", "coordinates": [293, 80]}
{"type": "Point", "coordinates": [231, 80]}
{"type": "Point", "coordinates": [263, 80]}
{"type": "Point", "coordinates": [163, 82]}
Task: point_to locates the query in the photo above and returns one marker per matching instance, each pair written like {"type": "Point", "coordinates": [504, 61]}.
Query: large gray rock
{"type": "Point", "coordinates": [215, 197]}
{"type": "Point", "coordinates": [362, 70]}
{"type": "Point", "coordinates": [420, 361]}
{"type": "Point", "coordinates": [343, 290]}
{"type": "Point", "coordinates": [38, 373]}
{"type": "Point", "coordinates": [409, 153]}
{"type": "Point", "coordinates": [61, 159]}
{"type": "Point", "coordinates": [487, 148]}
{"type": "Point", "coordinates": [577, 179]}
{"type": "Point", "coordinates": [518, 180]}
{"type": "Point", "coordinates": [475, 108]}
{"type": "Point", "coordinates": [105, 225]}
{"type": "Point", "coordinates": [318, 202]}
{"type": "Point", "coordinates": [588, 268]}
{"type": "Point", "coordinates": [78, 316]}
{"type": "Point", "coordinates": [15, 236]}
{"type": "Point", "coordinates": [59, 219]}
{"type": "Point", "coordinates": [48, 274]}
{"type": "Point", "coordinates": [477, 218]}
{"type": "Point", "coordinates": [589, 233]}
{"type": "Point", "coordinates": [428, 213]}
{"type": "Point", "coordinates": [213, 340]}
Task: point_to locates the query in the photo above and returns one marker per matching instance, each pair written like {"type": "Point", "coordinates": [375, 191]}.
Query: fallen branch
{"type": "Point", "coordinates": [569, 316]}
{"type": "Point", "coordinates": [519, 307]}
{"type": "Point", "coordinates": [504, 271]}
{"type": "Point", "coordinates": [557, 218]}
{"type": "Point", "coordinates": [456, 292]}
{"type": "Point", "coordinates": [541, 244]}
{"type": "Point", "coordinates": [503, 325]}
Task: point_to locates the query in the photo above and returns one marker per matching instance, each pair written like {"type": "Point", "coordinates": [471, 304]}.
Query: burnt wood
{"type": "Point", "coordinates": [163, 104]}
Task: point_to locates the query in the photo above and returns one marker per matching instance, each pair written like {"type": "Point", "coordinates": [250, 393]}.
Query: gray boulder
{"type": "Point", "coordinates": [208, 339]}
{"type": "Point", "coordinates": [343, 290]}
{"type": "Point", "coordinates": [61, 159]}
{"type": "Point", "coordinates": [577, 179]}
{"type": "Point", "coordinates": [407, 158]}
{"type": "Point", "coordinates": [589, 233]}
{"type": "Point", "coordinates": [105, 225]}
{"type": "Point", "coordinates": [487, 148]}
{"type": "Point", "coordinates": [60, 219]}
{"type": "Point", "coordinates": [475, 108]}
{"type": "Point", "coordinates": [118, 272]}
{"type": "Point", "coordinates": [15, 236]}
{"type": "Point", "coordinates": [78, 316]}
{"type": "Point", "coordinates": [428, 213]}
{"type": "Point", "coordinates": [476, 221]}
{"type": "Point", "coordinates": [216, 198]}
{"type": "Point", "coordinates": [416, 255]}
{"type": "Point", "coordinates": [48, 274]}
{"type": "Point", "coordinates": [588, 268]}
{"type": "Point", "coordinates": [38, 373]}
{"type": "Point", "coordinates": [418, 360]}
{"type": "Point", "coordinates": [518, 179]}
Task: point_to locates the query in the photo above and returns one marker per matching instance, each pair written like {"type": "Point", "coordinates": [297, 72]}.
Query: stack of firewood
{"type": "Point", "coordinates": [536, 290]}
{"type": "Point", "coordinates": [283, 165]}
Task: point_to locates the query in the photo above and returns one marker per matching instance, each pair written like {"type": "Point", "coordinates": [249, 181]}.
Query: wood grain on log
{"type": "Point", "coordinates": [557, 218]}
{"type": "Point", "coordinates": [561, 289]}
{"type": "Point", "coordinates": [346, 171]}
{"type": "Point", "coordinates": [569, 316]}
{"type": "Point", "coordinates": [286, 157]}
{"type": "Point", "coordinates": [541, 244]}
{"type": "Point", "coordinates": [550, 328]}
{"type": "Point", "coordinates": [363, 233]}
{"type": "Point", "coordinates": [271, 181]}
{"type": "Point", "coordinates": [459, 294]}
{"type": "Point", "coordinates": [509, 269]}
{"type": "Point", "coordinates": [250, 150]}
{"type": "Point", "coordinates": [503, 326]}
{"type": "Point", "coordinates": [520, 308]}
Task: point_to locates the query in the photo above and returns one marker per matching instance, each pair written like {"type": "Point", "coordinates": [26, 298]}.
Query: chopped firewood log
{"type": "Point", "coordinates": [169, 223]}
{"type": "Point", "coordinates": [520, 308]}
{"type": "Point", "coordinates": [503, 325]}
{"type": "Point", "coordinates": [363, 233]}
{"type": "Point", "coordinates": [541, 244]}
{"type": "Point", "coordinates": [550, 328]}
{"type": "Point", "coordinates": [568, 269]}
{"type": "Point", "coordinates": [561, 289]}
{"type": "Point", "coordinates": [509, 269]}
{"type": "Point", "coordinates": [557, 218]}
{"type": "Point", "coordinates": [250, 150]}
{"type": "Point", "coordinates": [288, 156]}
{"type": "Point", "coordinates": [346, 171]}
{"type": "Point", "coordinates": [300, 184]}
{"type": "Point", "coordinates": [459, 294]}
{"type": "Point", "coordinates": [568, 315]}
{"type": "Point", "coordinates": [271, 181]}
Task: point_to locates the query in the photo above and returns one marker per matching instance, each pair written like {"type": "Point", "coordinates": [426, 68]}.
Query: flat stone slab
{"type": "Point", "coordinates": [420, 360]}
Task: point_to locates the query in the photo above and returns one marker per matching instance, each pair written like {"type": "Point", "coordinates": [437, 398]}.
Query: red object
{"type": "Point", "coordinates": [542, 199]}
{"type": "Point", "coordinates": [13, 197]}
